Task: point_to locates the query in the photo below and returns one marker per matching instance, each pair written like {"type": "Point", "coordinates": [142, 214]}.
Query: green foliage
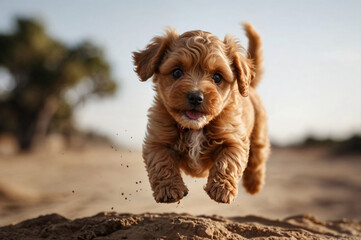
{"type": "Point", "coordinates": [351, 145]}
{"type": "Point", "coordinates": [43, 72]}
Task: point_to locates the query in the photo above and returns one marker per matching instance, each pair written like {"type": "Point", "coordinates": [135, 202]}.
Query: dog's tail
{"type": "Point", "coordinates": [255, 51]}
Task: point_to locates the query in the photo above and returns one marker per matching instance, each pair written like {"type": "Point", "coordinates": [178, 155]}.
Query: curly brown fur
{"type": "Point", "coordinates": [207, 119]}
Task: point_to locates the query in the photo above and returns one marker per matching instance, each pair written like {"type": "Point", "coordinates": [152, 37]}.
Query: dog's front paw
{"type": "Point", "coordinates": [169, 191]}
{"type": "Point", "coordinates": [222, 191]}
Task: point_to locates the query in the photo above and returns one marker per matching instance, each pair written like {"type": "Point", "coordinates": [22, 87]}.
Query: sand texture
{"type": "Point", "coordinates": [112, 225]}
{"type": "Point", "coordinates": [76, 184]}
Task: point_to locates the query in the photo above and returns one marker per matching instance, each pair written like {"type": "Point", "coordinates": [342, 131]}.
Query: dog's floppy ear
{"type": "Point", "coordinates": [243, 66]}
{"type": "Point", "coordinates": [245, 73]}
{"type": "Point", "coordinates": [147, 61]}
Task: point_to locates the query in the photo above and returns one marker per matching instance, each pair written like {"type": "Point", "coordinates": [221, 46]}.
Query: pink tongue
{"type": "Point", "coordinates": [193, 114]}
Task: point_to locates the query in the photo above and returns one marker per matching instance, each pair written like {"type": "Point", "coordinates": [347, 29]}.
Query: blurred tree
{"type": "Point", "coordinates": [46, 81]}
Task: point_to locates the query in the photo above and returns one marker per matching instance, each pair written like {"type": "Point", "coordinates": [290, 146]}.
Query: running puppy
{"type": "Point", "coordinates": [207, 118]}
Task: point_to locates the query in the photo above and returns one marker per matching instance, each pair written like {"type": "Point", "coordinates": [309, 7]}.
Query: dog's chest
{"type": "Point", "coordinates": [192, 144]}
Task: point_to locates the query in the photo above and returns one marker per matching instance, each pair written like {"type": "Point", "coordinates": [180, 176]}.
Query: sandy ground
{"type": "Point", "coordinates": [82, 183]}
{"type": "Point", "coordinates": [112, 225]}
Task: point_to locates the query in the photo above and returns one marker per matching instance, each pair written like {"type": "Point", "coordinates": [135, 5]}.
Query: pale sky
{"type": "Point", "coordinates": [312, 83]}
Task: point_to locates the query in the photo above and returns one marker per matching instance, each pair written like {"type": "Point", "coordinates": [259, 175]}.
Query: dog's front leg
{"type": "Point", "coordinates": [229, 164]}
{"type": "Point", "coordinates": [164, 173]}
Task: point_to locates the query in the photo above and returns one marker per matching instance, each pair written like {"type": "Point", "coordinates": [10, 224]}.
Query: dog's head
{"type": "Point", "coordinates": [195, 74]}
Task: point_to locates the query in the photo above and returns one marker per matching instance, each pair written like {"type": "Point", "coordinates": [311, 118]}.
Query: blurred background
{"type": "Point", "coordinates": [71, 132]}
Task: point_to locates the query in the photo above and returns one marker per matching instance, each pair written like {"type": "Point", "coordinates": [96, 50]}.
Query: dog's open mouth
{"type": "Point", "coordinates": [193, 114]}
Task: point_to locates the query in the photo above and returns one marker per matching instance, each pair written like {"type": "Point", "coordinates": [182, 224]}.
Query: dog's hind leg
{"type": "Point", "coordinates": [254, 174]}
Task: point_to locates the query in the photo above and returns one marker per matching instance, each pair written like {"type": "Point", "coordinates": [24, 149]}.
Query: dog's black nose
{"type": "Point", "coordinates": [195, 98]}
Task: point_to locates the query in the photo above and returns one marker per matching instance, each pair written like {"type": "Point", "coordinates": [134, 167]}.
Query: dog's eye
{"type": "Point", "coordinates": [177, 73]}
{"type": "Point", "coordinates": [217, 78]}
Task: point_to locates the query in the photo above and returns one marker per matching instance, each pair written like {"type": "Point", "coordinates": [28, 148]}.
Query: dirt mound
{"type": "Point", "coordinates": [112, 225]}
